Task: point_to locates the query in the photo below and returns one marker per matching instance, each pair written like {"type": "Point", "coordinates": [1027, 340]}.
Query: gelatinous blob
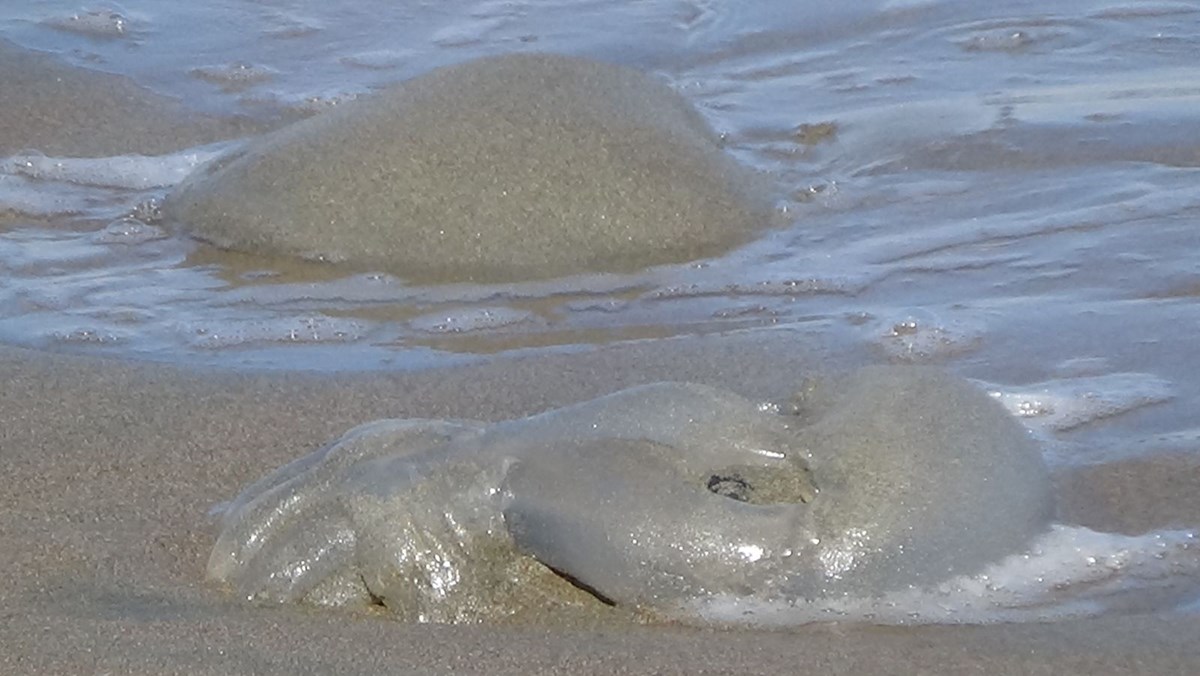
{"type": "Point", "coordinates": [657, 498]}
{"type": "Point", "coordinates": [523, 166]}
{"type": "Point", "coordinates": [921, 477]}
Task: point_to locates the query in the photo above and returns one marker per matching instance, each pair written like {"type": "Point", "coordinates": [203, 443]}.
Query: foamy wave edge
{"type": "Point", "coordinates": [1068, 572]}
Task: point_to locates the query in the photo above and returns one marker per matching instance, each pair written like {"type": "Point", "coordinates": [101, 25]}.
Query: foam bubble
{"type": "Point", "coordinates": [234, 75]}
{"type": "Point", "coordinates": [104, 22]}
{"type": "Point", "coordinates": [312, 329]}
{"type": "Point", "coordinates": [788, 286]}
{"type": "Point", "coordinates": [1000, 40]}
{"type": "Point", "coordinates": [134, 172]}
{"type": "Point", "coordinates": [605, 305]}
{"type": "Point", "coordinates": [128, 231]}
{"type": "Point", "coordinates": [921, 336]}
{"type": "Point", "coordinates": [1068, 572]}
{"type": "Point", "coordinates": [89, 336]}
{"type": "Point", "coordinates": [473, 319]}
{"type": "Point", "coordinates": [1059, 405]}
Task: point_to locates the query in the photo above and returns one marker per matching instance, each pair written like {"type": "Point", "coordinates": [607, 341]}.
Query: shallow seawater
{"type": "Point", "coordinates": [1010, 190]}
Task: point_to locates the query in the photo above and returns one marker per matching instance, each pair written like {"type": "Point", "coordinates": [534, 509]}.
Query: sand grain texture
{"type": "Point", "coordinates": [110, 467]}
{"type": "Point", "coordinates": [50, 107]}
{"type": "Point", "coordinates": [522, 166]}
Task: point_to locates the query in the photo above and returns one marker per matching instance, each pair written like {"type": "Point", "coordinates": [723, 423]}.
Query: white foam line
{"type": "Point", "coordinates": [134, 172]}
{"type": "Point", "coordinates": [1065, 404]}
{"type": "Point", "coordinates": [1068, 572]}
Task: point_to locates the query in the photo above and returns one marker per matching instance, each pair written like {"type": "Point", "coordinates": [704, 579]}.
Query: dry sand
{"type": "Point", "coordinates": [110, 467]}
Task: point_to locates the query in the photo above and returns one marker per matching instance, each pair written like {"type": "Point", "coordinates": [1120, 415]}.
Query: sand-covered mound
{"type": "Point", "coordinates": [513, 167]}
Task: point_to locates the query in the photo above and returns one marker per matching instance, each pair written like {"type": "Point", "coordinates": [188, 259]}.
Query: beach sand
{"type": "Point", "coordinates": [110, 468]}
{"type": "Point", "coordinates": [55, 109]}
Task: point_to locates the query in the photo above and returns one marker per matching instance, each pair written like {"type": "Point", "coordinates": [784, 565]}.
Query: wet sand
{"type": "Point", "coordinates": [59, 110]}
{"type": "Point", "coordinates": [111, 466]}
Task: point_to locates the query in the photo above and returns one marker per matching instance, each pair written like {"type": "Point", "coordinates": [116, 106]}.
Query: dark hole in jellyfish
{"type": "Point", "coordinates": [732, 486]}
{"type": "Point", "coordinates": [786, 484]}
